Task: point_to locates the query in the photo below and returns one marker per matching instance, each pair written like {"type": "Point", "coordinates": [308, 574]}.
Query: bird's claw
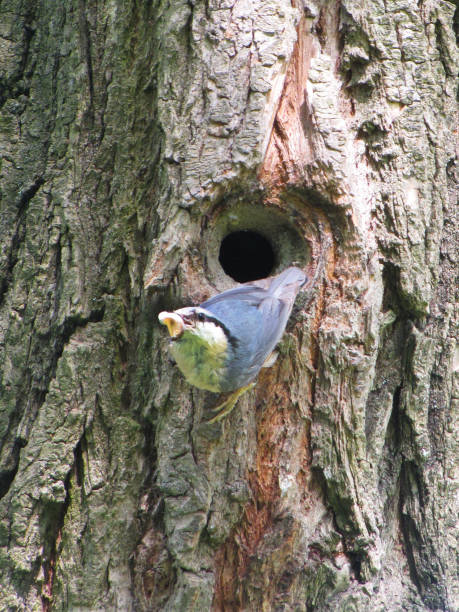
{"type": "Point", "coordinates": [227, 406]}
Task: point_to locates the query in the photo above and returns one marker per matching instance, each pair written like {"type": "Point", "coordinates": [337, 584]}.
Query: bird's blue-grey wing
{"type": "Point", "coordinates": [258, 312]}
{"type": "Point", "coordinates": [285, 286]}
{"type": "Point", "coordinates": [245, 293]}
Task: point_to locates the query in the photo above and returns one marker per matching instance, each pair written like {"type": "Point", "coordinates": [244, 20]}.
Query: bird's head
{"type": "Point", "coordinates": [201, 346]}
{"type": "Point", "coordinates": [194, 320]}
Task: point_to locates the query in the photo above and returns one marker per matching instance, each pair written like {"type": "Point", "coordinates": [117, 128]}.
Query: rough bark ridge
{"type": "Point", "coordinates": [132, 137]}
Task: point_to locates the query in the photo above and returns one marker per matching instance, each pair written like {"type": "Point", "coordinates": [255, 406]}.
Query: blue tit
{"type": "Point", "coordinates": [222, 344]}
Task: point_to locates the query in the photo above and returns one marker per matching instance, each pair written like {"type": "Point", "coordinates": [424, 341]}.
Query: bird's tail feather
{"type": "Point", "coordinates": [291, 277]}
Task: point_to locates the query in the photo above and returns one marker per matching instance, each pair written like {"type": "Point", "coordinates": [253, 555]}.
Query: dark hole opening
{"type": "Point", "coordinates": [246, 255]}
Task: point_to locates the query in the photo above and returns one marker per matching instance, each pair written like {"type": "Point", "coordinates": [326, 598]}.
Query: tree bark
{"type": "Point", "coordinates": [134, 137]}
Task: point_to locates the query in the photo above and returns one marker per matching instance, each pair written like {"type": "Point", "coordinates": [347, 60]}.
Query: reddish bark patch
{"type": "Point", "coordinates": [50, 571]}
{"type": "Point", "coordinates": [244, 544]}
{"type": "Point", "coordinates": [289, 147]}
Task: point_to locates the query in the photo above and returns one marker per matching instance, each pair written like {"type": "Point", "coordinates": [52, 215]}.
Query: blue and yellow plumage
{"type": "Point", "coordinates": [222, 344]}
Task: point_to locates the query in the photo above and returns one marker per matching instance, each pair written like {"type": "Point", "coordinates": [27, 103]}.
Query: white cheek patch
{"type": "Point", "coordinates": [213, 335]}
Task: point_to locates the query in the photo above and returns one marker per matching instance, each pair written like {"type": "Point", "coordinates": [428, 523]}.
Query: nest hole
{"type": "Point", "coordinates": [250, 240]}
{"type": "Point", "coordinates": [246, 255]}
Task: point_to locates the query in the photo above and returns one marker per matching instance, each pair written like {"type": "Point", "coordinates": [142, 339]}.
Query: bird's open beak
{"type": "Point", "coordinates": [174, 323]}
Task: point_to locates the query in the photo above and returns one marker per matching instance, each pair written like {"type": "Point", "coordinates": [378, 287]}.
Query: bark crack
{"type": "Point", "coordinates": [36, 397]}
{"type": "Point", "coordinates": [18, 235]}
{"type": "Point", "coordinates": [53, 533]}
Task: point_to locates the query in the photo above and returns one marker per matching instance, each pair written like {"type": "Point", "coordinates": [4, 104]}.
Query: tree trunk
{"type": "Point", "coordinates": [134, 137]}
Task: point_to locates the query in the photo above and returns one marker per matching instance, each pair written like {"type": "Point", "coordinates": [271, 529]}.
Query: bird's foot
{"type": "Point", "coordinates": [226, 407]}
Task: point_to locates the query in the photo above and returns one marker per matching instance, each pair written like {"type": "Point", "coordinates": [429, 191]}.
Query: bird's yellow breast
{"type": "Point", "coordinates": [201, 355]}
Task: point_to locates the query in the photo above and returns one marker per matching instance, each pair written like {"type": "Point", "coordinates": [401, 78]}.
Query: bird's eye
{"type": "Point", "coordinates": [201, 316]}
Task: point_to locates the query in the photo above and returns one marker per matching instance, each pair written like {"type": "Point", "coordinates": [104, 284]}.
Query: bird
{"type": "Point", "coordinates": [222, 344]}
